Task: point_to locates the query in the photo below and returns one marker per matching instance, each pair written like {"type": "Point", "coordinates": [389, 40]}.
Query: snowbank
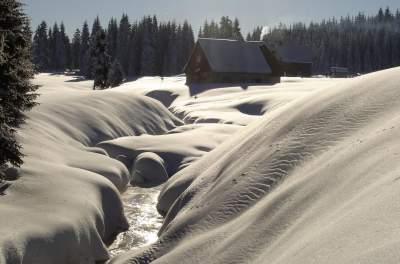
{"type": "Point", "coordinates": [178, 148]}
{"type": "Point", "coordinates": [227, 104]}
{"type": "Point", "coordinates": [65, 206]}
{"type": "Point", "coordinates": [148, 170]}
{"type": "Point", "coordinates": [313, 181]}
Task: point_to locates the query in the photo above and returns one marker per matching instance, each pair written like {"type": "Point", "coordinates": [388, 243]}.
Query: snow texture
{"type": "Point", "coordinates": [315, 180]}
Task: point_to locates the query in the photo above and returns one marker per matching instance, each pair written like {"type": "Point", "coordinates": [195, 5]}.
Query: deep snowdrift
{"type": "Point", "coordinates": [314, 181]}
{"type": "Point", "coordinates": [177, 149]}
{"type": "Point", "coordinates": [225, 103]}
{"type": "Point", "coordinates": [65, 206]}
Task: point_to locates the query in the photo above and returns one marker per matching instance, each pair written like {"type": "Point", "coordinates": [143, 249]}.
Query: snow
{"type": "Point", "coordinates": [312, 181]}
{"type": "Point", "coordinates": [304, 171]}
{"type": "Point", "coordinates": [148, 170]}
{"type": "Point", "coordinates": [65, 206]}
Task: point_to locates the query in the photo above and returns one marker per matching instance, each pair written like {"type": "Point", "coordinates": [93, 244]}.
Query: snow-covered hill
{"type": "Point", "coordinates": [313, 181]}
{"type": "Point", "coordinates": [304, 171]}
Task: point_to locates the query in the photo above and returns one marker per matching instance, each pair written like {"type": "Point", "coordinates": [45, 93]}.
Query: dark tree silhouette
{"type": "Point", "coordinates": [144, 47]}
{"type": "Point", "coordinates": [115, 76]}
{"type": "Point", "coordinates": [41, 48]}
{"type": "Point", "coordinates": [100, 60]}
{"type": "Point", "coordinates": [361, 43]}
{"type": "Point", "coordinates": [16, 91]}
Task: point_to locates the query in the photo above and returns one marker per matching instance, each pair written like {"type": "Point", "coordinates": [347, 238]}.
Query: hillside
{"type": "Point", "coordinates": [314, 181]}
{"type": "Point", "coordinates": [304, 171]}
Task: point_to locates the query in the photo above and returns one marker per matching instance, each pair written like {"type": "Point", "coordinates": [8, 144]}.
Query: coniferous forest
{"type": "Point", "coordinates": [149, 47]}
{"type": "Point", "coordinates": [121, 49]}
{"type": "Point", "coordinates": [362, 43]}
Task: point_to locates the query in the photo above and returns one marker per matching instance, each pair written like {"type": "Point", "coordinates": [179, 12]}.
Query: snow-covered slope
{"type": "Point", "coordinates": [221, 103]}
{"type": "Point", "coordinates": [313, 181]}
{"type": "Point", "coordinates": [65, 206]}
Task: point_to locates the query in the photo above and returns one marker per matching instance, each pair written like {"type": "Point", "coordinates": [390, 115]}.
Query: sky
{"type": "Point", "coordinates": [251, 13]}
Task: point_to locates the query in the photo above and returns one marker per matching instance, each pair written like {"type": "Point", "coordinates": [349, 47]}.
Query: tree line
{"type": "Point", "coordinates": [225, 29]}
{"type": "Point", "coordinates": [361, 43]}
{"type": "Point", "coordinates": [122, 49]}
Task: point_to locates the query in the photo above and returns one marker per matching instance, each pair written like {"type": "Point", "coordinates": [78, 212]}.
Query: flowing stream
{"type": "Point", "coordinates": [144, 220]}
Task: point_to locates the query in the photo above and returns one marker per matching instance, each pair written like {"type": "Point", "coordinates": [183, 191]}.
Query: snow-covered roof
{"type": "Point", "coordinates": [292, 53]}
{"type": "Point", "coordinates": [234, 56]}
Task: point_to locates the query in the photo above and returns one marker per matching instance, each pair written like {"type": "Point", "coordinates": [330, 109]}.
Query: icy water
{"type": "Point", "coordinates": [144, 221]}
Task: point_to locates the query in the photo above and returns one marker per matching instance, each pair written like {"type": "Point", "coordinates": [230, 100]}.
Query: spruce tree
{"type": "Point", "coordinates": [148, 58]}
{"type": "Point", "coordinates": [41, 48]}
{"type": "Point", "coordinates": [100, 60]}
{"type": "Point", "coordinates": [112, 38]}
{"type": "Point", "coordinates": [55, 48]}
{"type": "Point", "coordinates": [134, 45]}
{"type": "Point", "coordinates": [115, 75]}
{"type": "Point", "coordinates": [96, 28]}
{"type": "Point", "coordinates": [84, 63]}
{"type": "Point", "coordinates": [66, 49]}
{"type": "Point", "coordinates": [236, 31]}
{"type": "Point", "coordinates": [123, 42]}
{"type": "Point", "coordinates": [76, 49]}
{"type": "Point", "coordinates": [17, 92]}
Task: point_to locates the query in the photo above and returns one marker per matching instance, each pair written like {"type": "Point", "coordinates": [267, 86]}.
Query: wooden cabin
{"type": "Point", "coordinates": [230, 61]}
{"type": "Point", "coordinates": [294, 60]}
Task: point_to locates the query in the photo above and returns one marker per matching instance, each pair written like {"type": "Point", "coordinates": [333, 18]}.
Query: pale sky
{"type": "Point", "coordinates": [250, 12]}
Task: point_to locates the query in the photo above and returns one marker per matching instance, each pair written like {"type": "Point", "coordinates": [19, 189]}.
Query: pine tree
{"type": "Point", "coordinates": [41, 48]}
{"type": "Point", "coordinates": [65, 54]}
{"type": "Point", "coordinates": [96, 28]}
{"type": "Point", "coordinates": [134, 49]}
{"type": "Point", "coordinates": [236, 31]}
{"type": "Point", "coordinates": [148, 58]}
{"type": "Point", "coordinates": [187, 43]}
{"type": "Point", "coordinates": [76, 49]}
{"type": "Point", "coordinates": [170, 60]}
{"type": "Point", "coordinates": [248, 37]}
{"type": "Point", "coordinates": [100, 59]}
{"type": "Point", "coordinates": [123, 42]}
{"type": "Point", "coordinates": [115, 75]}
{"type": "Point", "coordinates": [16, 70]}
{"type": "Point", "coordinates": [54, 47]}
{"type": "Point", "coordinates": [84, 63]}
{"type": "Point", "coordinates": [112, 38]}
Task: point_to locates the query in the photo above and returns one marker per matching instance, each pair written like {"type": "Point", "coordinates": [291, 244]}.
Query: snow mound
{"type": "Point", "coordinates": [148, 170]}
{"type": "Point", "coordinates": [178, 148]}
{"type": "Point", "coordinates": [227, 104]}
{"type": "Point", "coordinates": [235, 105]}
{"type": "Point", "coordinates": [63, 205]}
{"type": "Point", "coordinates": [314, 181]}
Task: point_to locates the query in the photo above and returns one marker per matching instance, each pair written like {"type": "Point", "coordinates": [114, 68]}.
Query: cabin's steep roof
{"type": "Point", "coordinates": [292, 53]}
{"type": "Point", "coordinates": [232, 56]}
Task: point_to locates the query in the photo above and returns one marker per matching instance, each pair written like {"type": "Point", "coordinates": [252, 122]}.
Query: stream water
{"type": "Point", "coordinates": [144, 220]}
